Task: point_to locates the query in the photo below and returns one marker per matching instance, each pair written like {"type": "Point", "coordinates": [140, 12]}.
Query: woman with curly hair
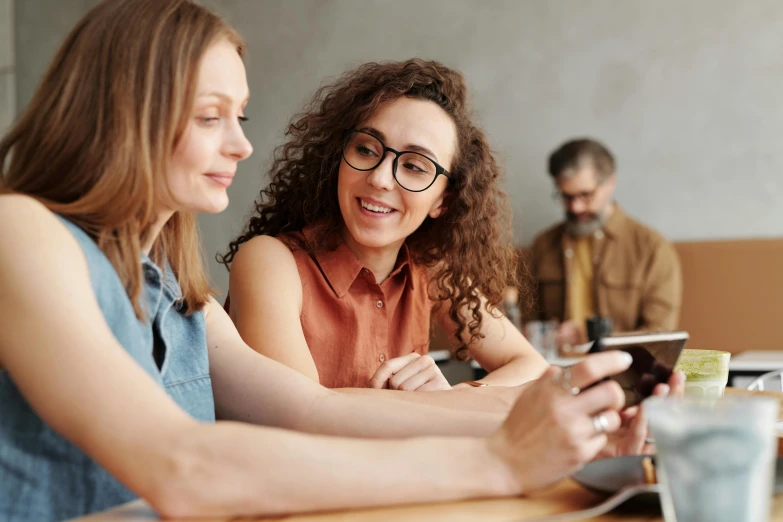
{"type": "Point", "coordinates": [384, 209]}
{"type": "Point", "coordinates": [122, 377]}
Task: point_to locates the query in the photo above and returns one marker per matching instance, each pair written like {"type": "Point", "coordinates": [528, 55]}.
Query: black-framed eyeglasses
{"type": "Point", "coordinates": [568, 199]}
{"type": "Point", "coordinates": [416, 173]}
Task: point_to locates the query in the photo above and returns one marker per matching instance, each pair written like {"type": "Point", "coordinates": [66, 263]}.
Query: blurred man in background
{"type": "Point", "coordinates": [599, 261]}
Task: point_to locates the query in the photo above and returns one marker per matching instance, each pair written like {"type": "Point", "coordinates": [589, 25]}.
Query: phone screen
{"type": "Point", "coordinates": [654, 357]}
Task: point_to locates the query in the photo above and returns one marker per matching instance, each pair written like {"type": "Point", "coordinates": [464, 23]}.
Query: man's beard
{"type": "Point", "coordinates": [585, 228]}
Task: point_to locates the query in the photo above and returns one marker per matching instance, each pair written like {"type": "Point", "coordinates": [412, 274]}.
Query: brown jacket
{"type": "Point", "coordinates": [637, 278]}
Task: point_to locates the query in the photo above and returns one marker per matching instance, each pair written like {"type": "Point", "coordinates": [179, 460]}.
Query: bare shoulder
{"type": "Point", "coordinates": [264, 265]}
{"type": "Point", "coordinates": [40, 262]}
{"type": "Point", "coordinates": [263, 250]}
{"type": "Point", "coordinates": [17, 210]}
{"type": "Point", "coordinates": [28, 228]}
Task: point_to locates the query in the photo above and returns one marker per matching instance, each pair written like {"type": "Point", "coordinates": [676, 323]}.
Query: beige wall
{"type": "Point", "coordinates": [7, 71]}
{"type": "Point", "coordinates": [687, 93]}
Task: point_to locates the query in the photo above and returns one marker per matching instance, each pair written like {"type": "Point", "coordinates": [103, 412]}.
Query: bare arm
{"type": "Point", "coordinates": [183, 467]}
{"type": "Point", "coordinates": [546, 421]}
{"type": "Point", "coordinates": [503, 351]}
{"type": "Point", "coordinates": [494, 399]}
{"type": "Point", "coordinates": [59, 359]}
{"type": "Point", "coordinates": [266, 301]}
{"type": "Point", "coordinates": [244, 383]}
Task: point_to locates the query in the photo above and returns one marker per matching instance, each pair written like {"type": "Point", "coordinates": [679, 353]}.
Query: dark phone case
{"type": "Point", "coordinates": [653, 364]}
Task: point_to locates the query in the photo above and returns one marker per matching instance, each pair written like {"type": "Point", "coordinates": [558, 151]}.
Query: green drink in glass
{"type": "Point", "coordinates": [706, 372]}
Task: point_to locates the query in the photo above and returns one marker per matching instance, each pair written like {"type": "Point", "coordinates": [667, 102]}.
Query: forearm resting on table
{"type": "Point", "coordinates": [234, 469]}
{"type": "Point", "coordinates": [360, 412]}
{"type": "Point", "coordinates": [517, 371]}
{"type": "Point", "coordinates": [490, 399]}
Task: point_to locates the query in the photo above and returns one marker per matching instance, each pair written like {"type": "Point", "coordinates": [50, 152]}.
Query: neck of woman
{"type": "Point", "coordinates": [379, 260]}
{"type": "Point", "coordinates": [154, 231]}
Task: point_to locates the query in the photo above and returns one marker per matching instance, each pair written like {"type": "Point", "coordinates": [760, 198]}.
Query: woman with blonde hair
{"type": "Point", "coordinates": [384, 209]}
{"type": "Point", "coordinates": [115, 358]}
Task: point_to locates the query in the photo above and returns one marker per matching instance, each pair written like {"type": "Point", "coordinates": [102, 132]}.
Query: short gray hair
{"type": "Point", "coordinates": [572, 155]}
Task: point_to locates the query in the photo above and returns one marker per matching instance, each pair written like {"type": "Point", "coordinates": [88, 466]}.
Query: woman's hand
{"type": "Point", "coordinates": [554, 429]}
{"type": "Point", "coordinates": [632, 437]}
{"type": "Point", "coordinates": [570, 334]}
{"type": "Point", "coordinates": [412, 372]}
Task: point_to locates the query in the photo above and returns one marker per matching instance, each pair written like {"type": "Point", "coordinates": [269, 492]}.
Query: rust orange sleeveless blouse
{"type": "Point", "coordinates": [351, 323]}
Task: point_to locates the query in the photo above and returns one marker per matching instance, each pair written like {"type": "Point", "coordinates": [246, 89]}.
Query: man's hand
{"type": "Point", "coordinates": [412, 372]}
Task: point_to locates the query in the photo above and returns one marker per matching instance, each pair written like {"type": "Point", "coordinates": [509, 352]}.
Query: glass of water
{"type": "Point", "coordinates": [543, 336]}
{"type": "Point", "coordinates": [715, 458]}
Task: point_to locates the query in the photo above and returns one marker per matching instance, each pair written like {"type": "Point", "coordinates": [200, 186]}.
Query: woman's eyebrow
{"type": "Point", "coordinates": [410, 146]}
{"type": "Point", "coordinates": [222, 95]}
{"type": "Point", "coordinates": [418, 148]}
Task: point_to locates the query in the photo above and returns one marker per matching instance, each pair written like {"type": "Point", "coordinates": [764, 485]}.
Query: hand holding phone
{"type": "Point", "coordinates": [654, 357]}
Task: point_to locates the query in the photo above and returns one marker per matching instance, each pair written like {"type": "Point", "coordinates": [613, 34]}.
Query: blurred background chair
{"type": "Point", "coordinates": [771, 381]}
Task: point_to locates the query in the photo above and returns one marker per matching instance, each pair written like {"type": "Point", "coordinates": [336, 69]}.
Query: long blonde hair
{"type": "Point", "coordinates": [94, 142]}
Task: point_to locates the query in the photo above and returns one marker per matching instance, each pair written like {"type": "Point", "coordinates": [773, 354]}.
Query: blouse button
{"type": "Point", "coordinates": [382, 358]}
{"type": "Point", "coordinates": [379, 304]}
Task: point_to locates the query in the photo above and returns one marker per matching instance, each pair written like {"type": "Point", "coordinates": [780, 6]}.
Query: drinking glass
{"type": "Point", "coordinates": [543, 336]}
{"type": "Point", "coordinates": [706, 372]}
{"type": "Point", "coordinates": [715, 458]}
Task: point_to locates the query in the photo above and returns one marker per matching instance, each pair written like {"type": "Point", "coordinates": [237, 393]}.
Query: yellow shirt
{"type": "Point", "coordinates": [580, 291]}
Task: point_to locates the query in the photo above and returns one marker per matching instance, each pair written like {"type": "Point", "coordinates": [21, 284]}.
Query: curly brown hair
{"type": "Point", "coordinates": [469, 249]}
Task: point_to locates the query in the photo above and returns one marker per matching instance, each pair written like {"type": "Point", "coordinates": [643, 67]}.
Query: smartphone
{"type": "Point", "coordinates": [654, 356]}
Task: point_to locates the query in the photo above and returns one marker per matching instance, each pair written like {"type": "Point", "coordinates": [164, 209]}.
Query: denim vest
{"type": "Point", "coordinates": [45, 477]}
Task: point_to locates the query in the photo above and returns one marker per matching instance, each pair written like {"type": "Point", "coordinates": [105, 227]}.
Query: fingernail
{"type": "Point", "coordinates": [627, 359]}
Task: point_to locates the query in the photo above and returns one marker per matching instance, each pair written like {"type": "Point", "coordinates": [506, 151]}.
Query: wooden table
{"type": "Point", "coordinates": [566, 496]}
{"type": "Point", "coordinates": [740, 392]}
